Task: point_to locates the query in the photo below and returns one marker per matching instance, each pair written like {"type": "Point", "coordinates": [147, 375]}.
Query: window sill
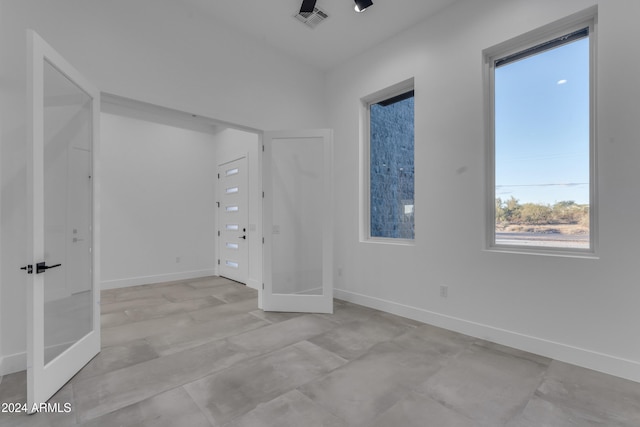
{"type": "Point", "coordinates": [388, 241]}
{"type": "Point", "coordinates": [538, 251]}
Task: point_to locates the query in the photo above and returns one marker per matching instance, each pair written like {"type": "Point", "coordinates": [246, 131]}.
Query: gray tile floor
{"type": "Point", "coordinates": [200, 353]}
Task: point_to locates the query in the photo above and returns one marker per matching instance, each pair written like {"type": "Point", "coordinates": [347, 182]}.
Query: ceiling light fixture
{"type": "Point", "coordinates": [362, 5]}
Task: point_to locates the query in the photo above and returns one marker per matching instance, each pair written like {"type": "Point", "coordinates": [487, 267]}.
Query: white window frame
{"type": "Point", "coordinates": [365, 162]}
{"type": "Point", "coordinates": [586, 18]}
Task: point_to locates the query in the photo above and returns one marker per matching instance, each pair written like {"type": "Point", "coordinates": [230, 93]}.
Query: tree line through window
{"type": "Point", "coordinates": [542, 144]}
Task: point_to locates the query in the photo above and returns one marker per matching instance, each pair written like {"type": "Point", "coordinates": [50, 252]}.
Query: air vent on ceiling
{"type": "Point", "coordinates": [312, 19]}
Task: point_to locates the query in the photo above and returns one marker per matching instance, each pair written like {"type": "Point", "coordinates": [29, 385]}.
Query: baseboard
{"type": "Point", "coordinates": [13, 363]}
{"type": "Point", "coordinates": [159, 278]}
{"type": "Point", "coordinates": [606, 363]}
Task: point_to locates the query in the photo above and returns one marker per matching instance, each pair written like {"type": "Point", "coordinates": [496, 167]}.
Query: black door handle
{"type": "Point", "coordinates": [243, 237]}
{"type": "Point", "coordinates": [41, 267]}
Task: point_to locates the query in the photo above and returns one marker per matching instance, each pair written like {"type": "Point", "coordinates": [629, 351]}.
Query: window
{"type": "Point", "coordinates": [391, 164]}
{"type": "Point", "coordinates": [542, 144]}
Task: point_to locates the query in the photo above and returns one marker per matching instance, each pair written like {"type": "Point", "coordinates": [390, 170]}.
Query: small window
{"type": "Point", "coordinates": [391, 165]}
{"type": "Point", "coordinates": [542, 144]}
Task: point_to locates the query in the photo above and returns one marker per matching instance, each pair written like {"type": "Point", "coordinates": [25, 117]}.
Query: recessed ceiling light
{"type": "Point", "coordinates": [561, 82]}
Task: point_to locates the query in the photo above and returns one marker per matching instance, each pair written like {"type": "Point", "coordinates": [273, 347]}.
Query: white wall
{"type": "Point", "coordinates": [579, 310]}
{"type": "Point", "coordinates": [158, 202]}
{"type": "Point", "coordinates": [164, 53]}
{"type": "Point", "coordinates": [156, 51]}
{"type": "Point", "coordinates": [232, 144]}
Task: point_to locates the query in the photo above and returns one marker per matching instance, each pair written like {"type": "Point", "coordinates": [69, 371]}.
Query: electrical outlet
{"type": "Point", "coordinates": [444, 291]}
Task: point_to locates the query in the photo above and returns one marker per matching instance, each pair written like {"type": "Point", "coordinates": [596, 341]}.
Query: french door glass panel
{"type": "Point", "coordinates": [297, 174]}
{"type": "Point", "coordinates": [68, 294]}
{"type": "Point", "coordinates": [297, 204]}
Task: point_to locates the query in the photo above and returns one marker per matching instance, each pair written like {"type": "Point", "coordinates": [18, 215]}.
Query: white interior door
{"type": "Point", "coordinates": [233, 218]}
{"type": "Point", "coordinates": [63, 313]}
{"type": "Point", "coordinates": [298, 246]}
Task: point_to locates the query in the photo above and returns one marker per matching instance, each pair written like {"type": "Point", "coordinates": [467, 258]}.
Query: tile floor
{"type": "Point", "coordinates": [200, 353]}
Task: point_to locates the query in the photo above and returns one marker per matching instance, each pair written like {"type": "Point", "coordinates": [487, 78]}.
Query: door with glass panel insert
{"type": "Point", "coordinates": [233, 217]}
{"type": "Point", "coordinates": [63, 314]}
{"type": "Point", "coordinates": [298, 252]}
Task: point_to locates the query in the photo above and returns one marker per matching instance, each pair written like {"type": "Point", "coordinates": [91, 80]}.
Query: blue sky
{"type": "Point", "coordinates": [542, 126]}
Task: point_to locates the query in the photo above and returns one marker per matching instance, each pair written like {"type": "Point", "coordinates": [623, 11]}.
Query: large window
{"type": "Point", "coordinates": [391, 160]}
{"type": "Point", "coordinates": [543, 144]}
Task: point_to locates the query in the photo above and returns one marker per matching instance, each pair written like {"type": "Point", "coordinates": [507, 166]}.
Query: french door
{"type": "Point", "coordinates": [298, 245]}
{"type": "Point", "coordinates": [63, 312]}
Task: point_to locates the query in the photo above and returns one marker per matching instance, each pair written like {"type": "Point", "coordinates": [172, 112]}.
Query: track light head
{"type": "Point", "coordinates": [307, 6]}
{"type": "Point", "coordinates": [362, 5]}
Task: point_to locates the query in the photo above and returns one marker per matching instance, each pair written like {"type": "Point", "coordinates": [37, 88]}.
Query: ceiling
{"type": "Point", "coordinates": [341, 36]}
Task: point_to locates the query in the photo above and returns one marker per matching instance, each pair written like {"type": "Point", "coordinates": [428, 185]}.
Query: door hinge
{"type": "Point", "coordinates": [263, 286]}
{"type": "Point", "coordinates": [218, 176]}
{"type": "Point", "coordinates": [218, 262]}
{"type": "Point", "coordinates": [218, 233]}
{"type": "Point", "coordinates": [263, 148]}
{"type": "Point", "coordinates": [263, 240]}
{"type": "Point", "coordinates": [263, 194]}
{"type": "Point", "coordinates": [28, 268]}
{"type": "Point", "coordinates": [218, 203]}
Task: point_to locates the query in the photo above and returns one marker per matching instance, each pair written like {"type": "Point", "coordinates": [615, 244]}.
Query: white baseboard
{"type": "Point", "coordinates": [590, 359]}
{"type": "Point", "coordinates": [13, 363]}
{"type": "Point", "coordinates": [159, 278]}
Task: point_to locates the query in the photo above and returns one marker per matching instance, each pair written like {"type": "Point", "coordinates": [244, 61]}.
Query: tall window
{"type": "Point", "coordinates": [543, 144]}
{"type": "Point", "coordinates": [391, 182]}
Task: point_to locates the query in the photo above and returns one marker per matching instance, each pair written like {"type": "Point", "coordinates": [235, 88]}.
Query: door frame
{"type": "Point", "coordinates": [45, 380]}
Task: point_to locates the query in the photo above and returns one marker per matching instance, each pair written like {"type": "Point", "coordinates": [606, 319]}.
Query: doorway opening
{"type": "Point", "coordinates": [160, 195]}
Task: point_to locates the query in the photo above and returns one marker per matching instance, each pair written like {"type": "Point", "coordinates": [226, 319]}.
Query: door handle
{"type": "Point", "coordinates": [28, 268]}
{"type": "Point", "coordinates": [41, 267]}
{"type": "Point", "coordinates": [243, 237]}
